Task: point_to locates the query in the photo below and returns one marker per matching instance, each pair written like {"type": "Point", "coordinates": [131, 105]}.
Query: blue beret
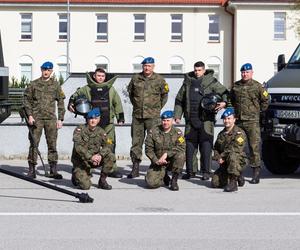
{"type": "Point", "coordinates": [94, 113]}
{"type": "Point", "coordinates": [246, 66]}
{"type": "Point", "coordinates": [167, 114]}
{"type": "Point", "coordinates": [228, 112]}
{"type": "Point", "coordinates": [47, 65]}
{"type": "Point", "coordinates": [148, 60]}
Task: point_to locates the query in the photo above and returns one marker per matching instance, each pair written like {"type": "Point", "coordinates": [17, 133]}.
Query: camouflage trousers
{"type": "Point", "coordinates": [155, 174]}
{"type": "Point", "coordinates": [111, 135]}
{"type": "Point", "coordinates": [252, 130]}
{"type": "Point", "coordinates": [139, 127]}
{"type": "Point", "coordinates": [81, 173]}
{"type": "Point", "coordinates": [50, 130]}
{"type": "Point", "coordinates": [234, 165]}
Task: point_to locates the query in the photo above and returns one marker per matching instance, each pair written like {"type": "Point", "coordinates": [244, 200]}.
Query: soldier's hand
{"type": "Point", "coordinates": [71, 108]}
{"type": "Point", "coordinates": [177, 121]}
{"type": "Point", "coordinates": [59, 124]}
{"type": "Point", "coordinates": [31, 120]}
{"type": "Point", "coordinates": [220, 105]}
{"type": "Point", "coordinates": [221, 161]}
{"type": "Point", "coordinates": [96, 159]}
{"type": "Point", "coordinates": [163, 159]}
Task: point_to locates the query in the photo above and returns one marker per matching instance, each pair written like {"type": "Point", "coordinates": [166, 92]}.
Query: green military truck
{"type": "Point", "coordinates": [281, 122]}
{"type": "Point", "coordinates": [4, 106]}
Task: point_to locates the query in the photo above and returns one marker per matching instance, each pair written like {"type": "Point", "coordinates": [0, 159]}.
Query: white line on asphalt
{"type": "Point", "coordinates": [153, 214]}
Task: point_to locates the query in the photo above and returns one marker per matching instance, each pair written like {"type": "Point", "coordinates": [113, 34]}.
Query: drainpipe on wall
{"type": "Point", "coordinates": [230, 9]}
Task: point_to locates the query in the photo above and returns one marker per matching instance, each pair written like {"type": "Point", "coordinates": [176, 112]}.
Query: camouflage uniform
{"type": "Point", "coordinates": [230, 147]}
{"type": "Point", "coordinates": [157, 143]}
{"type": "Point", "coordinates": [202, 136]}
{"type": "Point", "coordinates": [249, 99]}
{"type": "Point", "coordinates": [86, 144]}
{"type": "Point", "coordinates": [148, 95]}
{"type": "Point", "coordinates": [39, 101]}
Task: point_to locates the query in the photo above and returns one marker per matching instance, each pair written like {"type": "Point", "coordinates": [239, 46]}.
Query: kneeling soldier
{"type": "Point", "coordinates": [165, 147]}
{"type": "Point", "coordinates": [91, 150]}
{"type": "Point", "coordinates": [229, 152]}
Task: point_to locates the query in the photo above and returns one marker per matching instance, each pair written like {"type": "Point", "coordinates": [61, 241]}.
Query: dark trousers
{"type": "Point", "coordinates": [198, 138]}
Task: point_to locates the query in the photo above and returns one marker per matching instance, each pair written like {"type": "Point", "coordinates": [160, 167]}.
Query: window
{"type": "Point", "coordinates": [139, 27]}
{"type": "Point", "coordinates": [102, 62]}
{"type": "Point", "coordinates": [176, 27]}
{"type": "Point", "coordinates": [26, 26]}
{"type": "Point", "coordinates": [176, 64]}
{"type": "Point", "coordinates": [213, 29]}
{"type": "Point", "coordinates": [102, 27]}
{"type": "Point", "coordinates": [103, 66]}
{"type": "Point", "coordinates": [62, 70]}
{"type": "Point", "coordinates": [275, 68]}
{"type": "Point", "coordinates": [136, 64]}
{"type": "Point", "coordinates": [216, 69]}
{"type": "Point", "coordinates": [176, 68]}
{"type": "Point", "coordinates": [63, 27]}
{"type": "Point", "coordinates": [279, 25]}
{"type": "Point", "coordinates": [26, 70]}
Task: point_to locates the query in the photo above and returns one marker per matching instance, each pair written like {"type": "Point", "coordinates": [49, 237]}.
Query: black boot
{"type": "Point", "coordinates": [53, 172]}
{"type": "Point", "coordinates": [31, 171]}
{"type": "Point", "coordinates": [205, 176]}
{"type": "Point", "coordinates": [103, 183]}
{"type": "Point", "coordinates": [255, 178]}
{"type": "Point", "coordinates": [135, 172]}
{"type": "Point", "coordinates": [174, 185]}
{"type": "Point", "coordinates": [167, 179]}
{"type": "Point", "coordinates": [232, 185]}
{"type": "Point", "coordinates": [188, 176]}
{"type": "Point", "coordinates": [241, 180]}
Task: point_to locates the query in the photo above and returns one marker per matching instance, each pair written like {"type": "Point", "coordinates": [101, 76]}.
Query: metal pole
{"type": "Point", "coordinates": [68, 37]}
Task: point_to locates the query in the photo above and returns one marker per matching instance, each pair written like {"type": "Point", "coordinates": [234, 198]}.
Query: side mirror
{"type": "Point", "coordinates": [280, 62]}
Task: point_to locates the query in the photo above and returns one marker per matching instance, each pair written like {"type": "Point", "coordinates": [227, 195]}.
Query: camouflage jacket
{"type": "Point", "coordinates": [115, 103]}
{"type": "Point", "coordinates": [148, 95]}
{"type": "Point", "coordinates": [88, 143]}
{"type": "Point", "coordinates": [248, 99]}
{"type": "Point", "coordinates": [226, 143]}
{"type": "Point", "coordinates": [158, 142]}
{"type": "Point", "coordinates": [40, 97]}
{"type": "Point", "coordinates": [210, 84]}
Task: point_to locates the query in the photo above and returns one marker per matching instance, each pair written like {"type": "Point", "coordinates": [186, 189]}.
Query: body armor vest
{"type": "Point", "coordinates": [100, 98]}
{"type": "Point", "coordinates": [196, 95]}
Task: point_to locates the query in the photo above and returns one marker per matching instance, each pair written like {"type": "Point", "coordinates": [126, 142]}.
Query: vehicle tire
{"type": "Point", "coordinates": [276, 160]}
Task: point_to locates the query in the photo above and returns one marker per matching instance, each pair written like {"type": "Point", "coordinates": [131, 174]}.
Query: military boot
{"type": "Point", "coordinates": [53, 172]}
{"type": "Point", "coordinates": [255, 178]}
{"type": "Point", "coordinates": [188, 175]}
{"type": "Point", "coordinates": [174, 185]}
{"type": "Point", "coordinates": [167, 179]}
{"type": "Point", "coordinates": [232, 185]}
{"type": "Point", "coordinates": [135, 172]}
{"type": "Point", "coordinates": [31, 171]}
{"type": "Point", "coordinates": [102, 183]}
{"type": "Point", "coordinates": [241, 180]}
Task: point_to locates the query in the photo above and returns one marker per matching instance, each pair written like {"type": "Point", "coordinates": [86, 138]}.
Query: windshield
{"type": "Point", "coordinates": [295, 59]}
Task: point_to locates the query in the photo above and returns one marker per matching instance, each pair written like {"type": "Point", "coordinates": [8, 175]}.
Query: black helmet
{"type": "Point", "coordinates": [209, 101]}
{"type": "Point", "coordinates": [82, 105]}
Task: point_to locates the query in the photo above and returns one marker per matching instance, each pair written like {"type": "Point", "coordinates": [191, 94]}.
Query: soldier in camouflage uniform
{"type": "Point", "coordinates": [39, 103]}
{"type": "Point", "coordinates": [101, 93]}
{"type": "Point", "coordinates": [91, 150]}
{"type": "Point", "coordinates": [249, 99]}
{"type": "Point", "coordinates": [199, 123]}
{"type": "Point", "coordinates": [229, 153]}
{"type": "Point", "coordinates": [148, 93]}
{"type": "Point", "coordinates": [165, 147]}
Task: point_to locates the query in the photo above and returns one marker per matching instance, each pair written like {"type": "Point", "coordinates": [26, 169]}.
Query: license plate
{"type": "Point", "coordinates": [288, 114]}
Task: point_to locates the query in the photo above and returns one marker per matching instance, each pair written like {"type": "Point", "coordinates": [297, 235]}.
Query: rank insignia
{"type": "Point", "coordinates": [240, 140]}
{"type": "Point", "coordinates": [109, 141]}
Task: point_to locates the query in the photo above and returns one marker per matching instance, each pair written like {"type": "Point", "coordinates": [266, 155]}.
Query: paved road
{"type": "Point", "coordinates": [264, 216]}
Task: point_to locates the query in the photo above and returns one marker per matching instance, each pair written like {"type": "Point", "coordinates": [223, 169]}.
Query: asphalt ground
{"type": "Point", "coordinates": [130, 216]}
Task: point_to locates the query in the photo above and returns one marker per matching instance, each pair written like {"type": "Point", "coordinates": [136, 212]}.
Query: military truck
{"type": "Point", "coordinates": [281, 123]}
{"type": "Point", "coordinates": [4, 106]}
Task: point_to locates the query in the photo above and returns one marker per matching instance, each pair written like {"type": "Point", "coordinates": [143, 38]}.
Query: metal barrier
{"type": "Point", "coordinates": [15, 98]}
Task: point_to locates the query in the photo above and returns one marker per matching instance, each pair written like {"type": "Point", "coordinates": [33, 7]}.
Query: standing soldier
{"type": "Point", "coordinates": [199, 121]}
{"type": "Point", "coordinates": [165, 147]}
{"type": "Point", "coordinates": [39, 103]}
{"type": "Point", "coordinates": [101, 93]}
{"type": "Point", "coordinates": [148, 93]}
{"type": "Point", "coordinates": [249, 99]}
{"type": "Point", "coordinates": [91, 150]}
{"type": "Point", "coordinates": [229, 153]}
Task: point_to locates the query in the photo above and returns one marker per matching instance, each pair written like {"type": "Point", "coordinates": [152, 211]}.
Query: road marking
{"type": "Point", "coordinates": [152, 214]}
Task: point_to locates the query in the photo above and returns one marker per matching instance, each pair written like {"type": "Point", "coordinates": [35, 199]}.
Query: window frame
{"type": "Point", "coordinates": [210, 23]}
{"type": "Point", "coordinates": [174, 34]}
{"type": "Point", "coordinates": [277, 23]}
{"type": "Point", "coordinates": [98, 22]}
{"type": "Point", "coordinates": [62, 36]}
{"type": "Point", "coordinates": [26, 21]}
{"type": "Point", "coordinates": [137, 35]}
{"type": "Point", "coordinates": [30, 72]}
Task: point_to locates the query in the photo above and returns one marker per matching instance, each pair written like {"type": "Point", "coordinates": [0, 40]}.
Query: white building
{"type": "Point", "coordinates": [117, 35]}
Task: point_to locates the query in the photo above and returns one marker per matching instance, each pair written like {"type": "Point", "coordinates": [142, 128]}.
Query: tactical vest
{"type": "Point", "coordinates": [196, 95]}
{"type": "Point", "coordinates": [100, 98]}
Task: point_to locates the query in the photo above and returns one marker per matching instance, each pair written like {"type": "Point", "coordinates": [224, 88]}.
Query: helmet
{"type": "Point", "coordinates": [82, 105]}
{"type": "Point", "coordinates": [209, 101]}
